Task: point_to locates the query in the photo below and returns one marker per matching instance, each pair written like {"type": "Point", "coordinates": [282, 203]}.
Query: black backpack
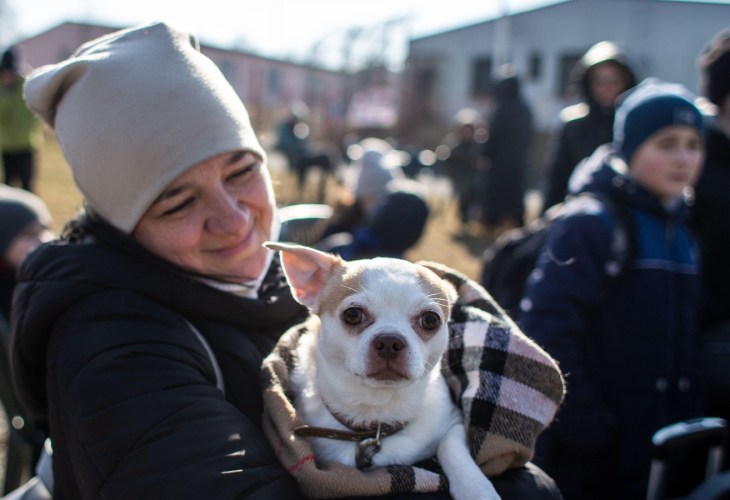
{"type": "Point", "coordinates": [508, 262]}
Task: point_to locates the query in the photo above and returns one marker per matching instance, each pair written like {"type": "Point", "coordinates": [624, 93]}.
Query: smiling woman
{"type": "Point", "coordinates": [164, 268]}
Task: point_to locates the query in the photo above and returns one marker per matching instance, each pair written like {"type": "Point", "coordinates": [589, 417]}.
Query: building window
{"type": "Point", "coordinates": [567, 65]}
{"type": "Point", "coordinates": [481, 77]}
{"type": "Point", "coordinates": [535, 66]}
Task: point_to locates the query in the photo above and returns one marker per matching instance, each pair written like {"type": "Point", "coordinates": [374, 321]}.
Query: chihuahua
{"type": "Point", "coordinates": [368, 382]}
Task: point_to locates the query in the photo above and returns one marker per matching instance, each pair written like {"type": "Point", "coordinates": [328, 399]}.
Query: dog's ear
{"type": "Point", "coordinates": [306, 270]}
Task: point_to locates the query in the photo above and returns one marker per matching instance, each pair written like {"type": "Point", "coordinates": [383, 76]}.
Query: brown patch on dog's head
{"type": "Point", "coordinates": [442, 292]}
{"type": "Point", "coordinates": [344, 281]}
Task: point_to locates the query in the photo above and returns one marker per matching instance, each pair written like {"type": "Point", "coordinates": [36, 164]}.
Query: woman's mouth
{"type": "Point", "coordinates": [236, 247]}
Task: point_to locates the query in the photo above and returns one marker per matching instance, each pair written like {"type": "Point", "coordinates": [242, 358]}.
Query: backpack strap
{"type": "Point", "coordinates": [623, 237]}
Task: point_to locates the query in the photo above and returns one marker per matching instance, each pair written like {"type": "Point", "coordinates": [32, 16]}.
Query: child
{"type": "Point", "coordinates": [624, 337]}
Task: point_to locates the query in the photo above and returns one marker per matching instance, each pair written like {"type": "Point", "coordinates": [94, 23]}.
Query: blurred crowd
{"type": "Point", "coordinates": [642, 347]}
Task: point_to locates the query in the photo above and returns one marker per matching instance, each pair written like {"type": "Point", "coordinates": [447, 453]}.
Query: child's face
{"type": "Point", "coordinates": [607, 82]}
{"type": "Point", "coordinates": [668, 161]}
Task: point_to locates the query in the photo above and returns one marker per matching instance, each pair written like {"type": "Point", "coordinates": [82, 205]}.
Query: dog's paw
{"type": "Point", "coordinates": [473, 489]}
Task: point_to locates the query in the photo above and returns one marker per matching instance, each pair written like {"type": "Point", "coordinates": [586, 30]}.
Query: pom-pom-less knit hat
{"type": "Point", "coordinates": [649, 107]}
{"type": "Point", "coordinates": [132, 111]}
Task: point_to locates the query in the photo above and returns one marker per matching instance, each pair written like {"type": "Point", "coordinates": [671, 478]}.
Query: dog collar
{"type": "Point", "coordinates": [379, 430]}
{"type": "Point", "coordinates": [368, 440]}
{"type": "Point", "coordinates": [368, 436]}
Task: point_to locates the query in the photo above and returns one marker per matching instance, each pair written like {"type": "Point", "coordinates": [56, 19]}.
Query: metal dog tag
{"type": "Point", "coordinates": [366, 450]}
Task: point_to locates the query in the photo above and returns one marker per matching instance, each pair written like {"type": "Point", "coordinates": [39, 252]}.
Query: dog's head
{"type": "Point", "coordinates": [384, 320]}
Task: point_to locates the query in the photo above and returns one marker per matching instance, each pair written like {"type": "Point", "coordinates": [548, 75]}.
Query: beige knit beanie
{"type": "Point", "coordinates": [133, 110]}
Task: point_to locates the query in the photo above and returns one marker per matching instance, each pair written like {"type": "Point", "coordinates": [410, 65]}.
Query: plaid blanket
{"type": "Point", "coordinates": [508, 387]}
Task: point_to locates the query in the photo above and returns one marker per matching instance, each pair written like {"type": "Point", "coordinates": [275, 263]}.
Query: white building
{"type": "Point", "coordinates": [450, 71]}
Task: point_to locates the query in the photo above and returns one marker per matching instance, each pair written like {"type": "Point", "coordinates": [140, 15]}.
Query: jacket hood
{"type": "Point", "coordinates": [507, 89]}
{"type": "Point", "coordinates": [600, 53]}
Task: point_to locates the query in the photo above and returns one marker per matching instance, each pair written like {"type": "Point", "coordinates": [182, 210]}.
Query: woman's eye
{"type": "Point", "coordinates": [178, 207]}
{"type": "Point", "coordinates": [241, 172]}
{"type": "Point", "coordinates": [353, 316]}
{"type": "Point", "coordinates": [430, 320]}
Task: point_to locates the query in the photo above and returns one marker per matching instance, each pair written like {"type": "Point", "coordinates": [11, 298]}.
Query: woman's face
{"type": "Point", "coordinates": [669, 161]}
{"type": "Point", "coordinates": [213, 218]}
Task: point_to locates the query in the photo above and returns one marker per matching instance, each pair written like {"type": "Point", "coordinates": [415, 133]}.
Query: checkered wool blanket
{"type": "Point", "coordinates": [508, 387]}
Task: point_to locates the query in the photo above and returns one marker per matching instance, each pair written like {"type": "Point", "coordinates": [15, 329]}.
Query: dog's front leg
{"type": "Point", "coordinates": [466, 480]}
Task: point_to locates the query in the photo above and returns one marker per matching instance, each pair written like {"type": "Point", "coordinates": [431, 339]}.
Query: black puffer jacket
{"type": "Point", "coordinates": [710, 220]}
{"type": "Point", "coordinates": [581, 127]}
{"type": "Point", "coordinates": [103, 350]}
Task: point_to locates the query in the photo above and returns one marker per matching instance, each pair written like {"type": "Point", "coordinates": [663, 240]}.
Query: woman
{"type": "Point", "coordinates": [139, 337]}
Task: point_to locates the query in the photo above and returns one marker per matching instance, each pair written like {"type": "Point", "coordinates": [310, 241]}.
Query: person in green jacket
{"type": "Point", "coordinates": [20, 131]}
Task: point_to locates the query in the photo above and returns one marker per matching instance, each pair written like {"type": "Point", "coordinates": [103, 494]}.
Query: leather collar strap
{"type": "Point", "coordinates": [353, 435]}
{"type": "Point", "coordinates": [368, 441]}
{"type": "Point", "coordinates": [367, 429]}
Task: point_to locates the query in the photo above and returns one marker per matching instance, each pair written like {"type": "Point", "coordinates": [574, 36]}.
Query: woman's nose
{"type": "Point", "coordinates": [227, 216]}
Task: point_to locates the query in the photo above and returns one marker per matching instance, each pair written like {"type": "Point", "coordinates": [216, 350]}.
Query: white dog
{"type": "Point", "coordinates": [368, 383]}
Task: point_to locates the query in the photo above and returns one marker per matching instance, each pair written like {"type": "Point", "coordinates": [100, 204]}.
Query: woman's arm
{"type": "Point", "coordinates": [140, 415]}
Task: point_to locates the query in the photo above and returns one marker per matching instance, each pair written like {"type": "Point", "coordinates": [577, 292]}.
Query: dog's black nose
{"type": "Point", "coordinates": [388, 345]}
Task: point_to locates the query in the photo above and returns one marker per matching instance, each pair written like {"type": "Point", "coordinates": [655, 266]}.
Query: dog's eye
{"type": "Point", "coordinates": [430, 320]}
{"type": "Point", "coordinates": [352, 315]}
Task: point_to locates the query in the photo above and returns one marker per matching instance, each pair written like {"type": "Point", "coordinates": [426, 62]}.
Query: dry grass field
{"type": "Point", "coordinates": [441, 241]}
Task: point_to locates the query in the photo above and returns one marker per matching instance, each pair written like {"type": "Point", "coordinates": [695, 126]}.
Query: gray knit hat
{"type": "Point", "coordinates": [18, 209]}
{"type": "Point", "coordinates": [133, 110]}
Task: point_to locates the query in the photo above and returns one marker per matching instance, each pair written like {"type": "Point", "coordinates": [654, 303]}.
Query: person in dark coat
{"type": "Point", "coordinates": [506, 152]}
{"type": "Point", "coordinates": [462, 166]}
{"type": "Point", "coordinates": [24, 225]}
{"type": "Point", "coordinates": [292, 139]}
{"type": "Point", "coordinates": [627, 338]}
{"type": "Point", "coordinates": [138, 337]}
{"type": "Point", "coordinates": [601, 75]}
{"type": "Point", "coordinates": [712, 224]}
{"type": "Point", "coordinates": [384, 214]}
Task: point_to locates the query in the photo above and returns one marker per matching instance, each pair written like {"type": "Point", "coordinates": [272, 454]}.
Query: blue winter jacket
{"type": "Point", "coordinates": [626, 344]}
